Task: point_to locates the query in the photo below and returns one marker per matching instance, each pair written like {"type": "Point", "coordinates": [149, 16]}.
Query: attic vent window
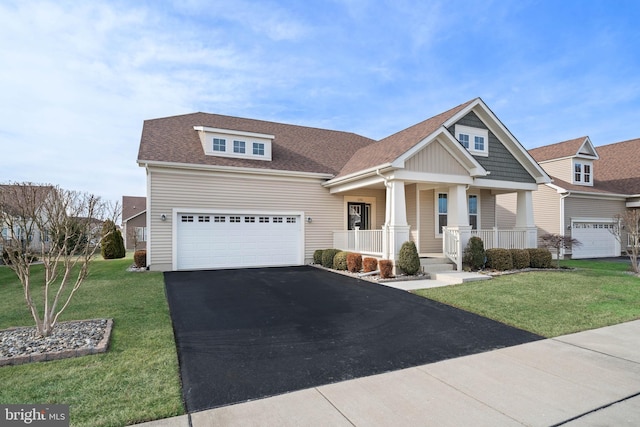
{"type": "Point", "coordinates": [476, 140]}
{"type": "Point", "coordinates": [219, 144]}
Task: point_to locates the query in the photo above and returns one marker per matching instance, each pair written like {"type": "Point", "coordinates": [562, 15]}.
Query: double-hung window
{"type": "Point", "coordinates": [582, 173]}
{"type": "Point", "coordinates": [473, 211]}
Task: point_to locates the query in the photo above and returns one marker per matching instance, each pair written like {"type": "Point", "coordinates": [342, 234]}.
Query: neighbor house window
{"type": "Point", "coordinates": [473, 211]}
{"type": "Point", "coordinates": [258, 148]}
{"type": "Point", "coordinates": [219, 144]}
{"type": "Point", "coordinates": [582, 173]}
{"type": "Point", "coordinates": [442, 211]}
{"type": "Point", "coordinates": [239, 147]}
{"type": "Point", "coordinates": [141, 234]}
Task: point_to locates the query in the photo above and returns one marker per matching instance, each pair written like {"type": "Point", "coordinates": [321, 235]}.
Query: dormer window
{"type": "Point", "coordinates": [242, 144]}
{"type": "Point", "coordinates": [239, 147]}
{"type": "Point", "coordinates": [582, 172]}
{"type": "Point", "coordinates": [476, 140]}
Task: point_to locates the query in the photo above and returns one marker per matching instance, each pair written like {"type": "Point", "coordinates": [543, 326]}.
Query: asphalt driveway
{"type": "Point", "coordinates": [252, 333]}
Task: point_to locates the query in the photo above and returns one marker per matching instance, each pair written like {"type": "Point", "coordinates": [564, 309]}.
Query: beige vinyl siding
{"type": "Point", "coordinates": [506, 206]}
{"type": "Point", "coordinates": [562, 169]}
{"type": "Point", "coordinates": [411, 199]}
{"type": "Point", "coordinates": [230, 191]}
{"type": "Point", "coordinates": [546, 210]}
{"type": "Point", "coordinates": [429, 243]}
{"type": "Point", "coordinates": [487, 209]}
{"type": "Point", "coordinates": [434, 158]}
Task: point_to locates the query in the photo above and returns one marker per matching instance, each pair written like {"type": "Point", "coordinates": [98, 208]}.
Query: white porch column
{"type": "Point", "coordinates": [396, 226]}
{"type": "Point", "coordinates": [458, 218]}
{"type": "Point", "coordinates": [524, 217]}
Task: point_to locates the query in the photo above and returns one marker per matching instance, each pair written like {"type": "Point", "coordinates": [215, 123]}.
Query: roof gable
{"type": "Point", "coordinates": [578, 147]}
{"type": "Point", "coordinates": [133, 206]}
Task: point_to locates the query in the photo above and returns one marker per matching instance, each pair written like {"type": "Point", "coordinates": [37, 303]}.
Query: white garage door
{"type": "Point", "coordinates": [596, 238]}
{"type": "Point", "coordinates": [238, 240]}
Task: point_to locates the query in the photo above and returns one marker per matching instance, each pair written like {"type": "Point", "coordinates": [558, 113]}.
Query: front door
{"type": "Point", "coordinates": [359, 215]}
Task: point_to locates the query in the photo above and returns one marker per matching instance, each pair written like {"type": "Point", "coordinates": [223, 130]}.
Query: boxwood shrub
{"type": "Point", "coordinates": [327, 257]}
{"type": "Point", "coordinates": [520, 258]}
{"type": "Point", "coordinates": [317, 256]}
{"type": "Point", "coordinates": [499, 259]}
{"type": "Point", "coordinates": [473, 255]}
{"type": "Point", "coordinates": [340, 261]}
{"type": "Point", "coordinates": [408, 259]}
{"type": "Point", "coordinates": [540, 258]}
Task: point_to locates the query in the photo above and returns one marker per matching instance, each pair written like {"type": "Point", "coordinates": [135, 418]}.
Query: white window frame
{"type": "Point", "coordinates": [581, 174]}
{"type": "Point", "coordinates": [258, 149]}
{"type": "Point", "coordinates": [437, 194]}
{"type": "Point", "coordinates": [477, 213]}
{"type": "Point", "coordinates": [472, 133]}
{"type": "Point", "coordinates": [219, 145]}
{"type": "Point", "coordinates": [141, 234]}
{"type": "Point", "coordinates": [239, 147]}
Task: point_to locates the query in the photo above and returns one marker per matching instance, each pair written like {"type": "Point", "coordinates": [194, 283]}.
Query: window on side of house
{"type": "Point", "coordinates": [442, 211]}
{"type": "Point", "coordinates": [239, 147]}
{"type": "Point", "coordinates": [586, 174]}
{"type": "Point", "coordinates": [219, 144]}
{"type": "Point", "coordinates": [258, 148]}
{"type": "Point", "coordinates": [141, 234]}
{"type": "Point", "coordinates": [476, 140]}
{"type": "Point", "coordinates": [582, 173]}
{"type": "Point", "coordinates": [577, 172]}
{"type": "Point", "coordinates": [473, 211]}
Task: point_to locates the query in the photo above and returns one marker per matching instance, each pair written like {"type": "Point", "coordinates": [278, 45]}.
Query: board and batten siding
{"type": "Point", "coordinates": [434, 158]}
{"type": "Point", "coordinates": [190, 189]}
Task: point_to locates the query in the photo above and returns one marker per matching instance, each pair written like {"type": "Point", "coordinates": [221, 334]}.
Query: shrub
{"type": "Point", "coordinates": [408, 259]}
{"type": "Point", "coordinates": [140, 258]}
{"type": "Point", "coordinates": [499, 259]}
{"type": "Point", "coordinates": [474, 255]}
{"type": "Point", "coordinates": [113, 244]}
{"type": "Point", "coordinates": [317, 256]}
{"type": "Point", "coordinates": [386, 268]}
{"type": "Point", "coordinates": [540, 258]}
{"type": "Point", "coordinates": [354, 262]}
{"type": "Point", "coordinates": [340, 261]}
{"type": "Point", "coordinates": [16, 253]}
{"type": "Point", "coordinates": [520, 258]}
{"type": "Point", "coordinates": [369, 264]}
{"type": "Point", "coordinates": [327, 257]}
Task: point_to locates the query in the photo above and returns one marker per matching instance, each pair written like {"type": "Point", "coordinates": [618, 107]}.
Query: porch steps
{"type": "Point", "coordinates": [442, 270]}
{"type": "Point", "coordinates": [437, 264]}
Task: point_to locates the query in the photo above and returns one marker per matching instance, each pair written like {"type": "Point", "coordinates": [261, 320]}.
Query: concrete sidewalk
{"type": "Point", "coordinates": [590, 378]}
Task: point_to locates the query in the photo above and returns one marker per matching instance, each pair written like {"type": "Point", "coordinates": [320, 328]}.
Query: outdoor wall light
{"type": "Point", "coordinates": [309, 219]}
{"type": "Point", "coordinates": [163, 217]}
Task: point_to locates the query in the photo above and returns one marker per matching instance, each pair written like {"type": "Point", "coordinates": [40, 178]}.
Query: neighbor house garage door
{"type": "Point", "coordinates": [597, 240]}
{"type": "Point", "coordinates": [238, 240]}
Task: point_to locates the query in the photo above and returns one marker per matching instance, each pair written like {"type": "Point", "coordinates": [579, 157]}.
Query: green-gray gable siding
{"type": "Point", "coordinates": [501, 163]}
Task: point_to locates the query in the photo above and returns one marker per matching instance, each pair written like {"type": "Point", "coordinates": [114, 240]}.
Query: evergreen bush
{"type": "Point", "coordinates": [340, 261]}
{"type": "Point", "coordinates": [520, 258]}
{"type": "Point", "coordinates": [327, 257]}
{"type": "Point", "coordinates": [499, 259]}
{"type": "Point", "coordinates": [540, 258]}
{"type": "Point", "coordinates": [474, 255]}
{"type": "Point", "coordinates": [112, 244]}
{"type": "Point", "coordinates": [317, 256]}
{"type": "Point", "coordinates": [408, 259]}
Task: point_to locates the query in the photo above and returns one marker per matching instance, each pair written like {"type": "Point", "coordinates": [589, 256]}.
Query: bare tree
{"type": "Point", "coordinates": [558, 242]}
{"type": "Point", "coordinates": [629, 226]}
{"type": "Point", "coordinates": [61, 228]}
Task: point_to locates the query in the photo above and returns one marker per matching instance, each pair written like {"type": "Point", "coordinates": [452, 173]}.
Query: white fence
{"type": "Point", "coordinates": [368, 242]}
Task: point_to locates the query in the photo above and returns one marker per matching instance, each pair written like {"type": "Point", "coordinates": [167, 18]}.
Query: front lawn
{"type": "Point", "coordinates": [136, 380]}
{"type": "Point", "coordinates": [551, 303]}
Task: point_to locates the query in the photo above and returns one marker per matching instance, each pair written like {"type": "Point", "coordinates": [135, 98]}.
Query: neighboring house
{"type": "Point", "coordinates": [134, 222]}
{"type": "Point", "coordinates": [17, 230]}
{"type": "Point", "coordinates": [591, 185]}
{"type": "Point", "coordinates": [231, 192]}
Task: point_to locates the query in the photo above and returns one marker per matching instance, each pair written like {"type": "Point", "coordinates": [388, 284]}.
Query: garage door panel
{"type": "Point", "coordinates": [238, 240]}
{"type": "Point", "coordinates": [596, 240]}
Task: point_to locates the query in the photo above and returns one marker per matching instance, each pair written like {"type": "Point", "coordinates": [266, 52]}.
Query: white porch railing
{"type": "Point", "coordinates": [362, 241]}
{"type": "Point", "coordinates": [521, 238]}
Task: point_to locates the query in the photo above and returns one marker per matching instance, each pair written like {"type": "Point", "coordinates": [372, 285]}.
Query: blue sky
{"type": "Point", "coordinates": [79, 78]}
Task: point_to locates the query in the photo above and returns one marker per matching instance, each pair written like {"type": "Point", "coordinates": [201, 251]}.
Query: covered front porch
{"type": "Point", "coordinates": [439, 219]}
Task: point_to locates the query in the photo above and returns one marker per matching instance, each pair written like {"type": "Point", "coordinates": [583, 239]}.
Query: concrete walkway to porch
{"type": "Point", "coordinates": [438, 280]}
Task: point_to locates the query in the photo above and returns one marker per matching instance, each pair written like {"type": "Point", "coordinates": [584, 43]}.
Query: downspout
{"type": "Point", "coordinates": [562, 224]}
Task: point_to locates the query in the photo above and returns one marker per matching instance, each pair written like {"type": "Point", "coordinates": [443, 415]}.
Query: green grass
{"type": "Point", "coordinates": [136, 380]}
{"type": "Point", "coordinates": [551, 303]}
